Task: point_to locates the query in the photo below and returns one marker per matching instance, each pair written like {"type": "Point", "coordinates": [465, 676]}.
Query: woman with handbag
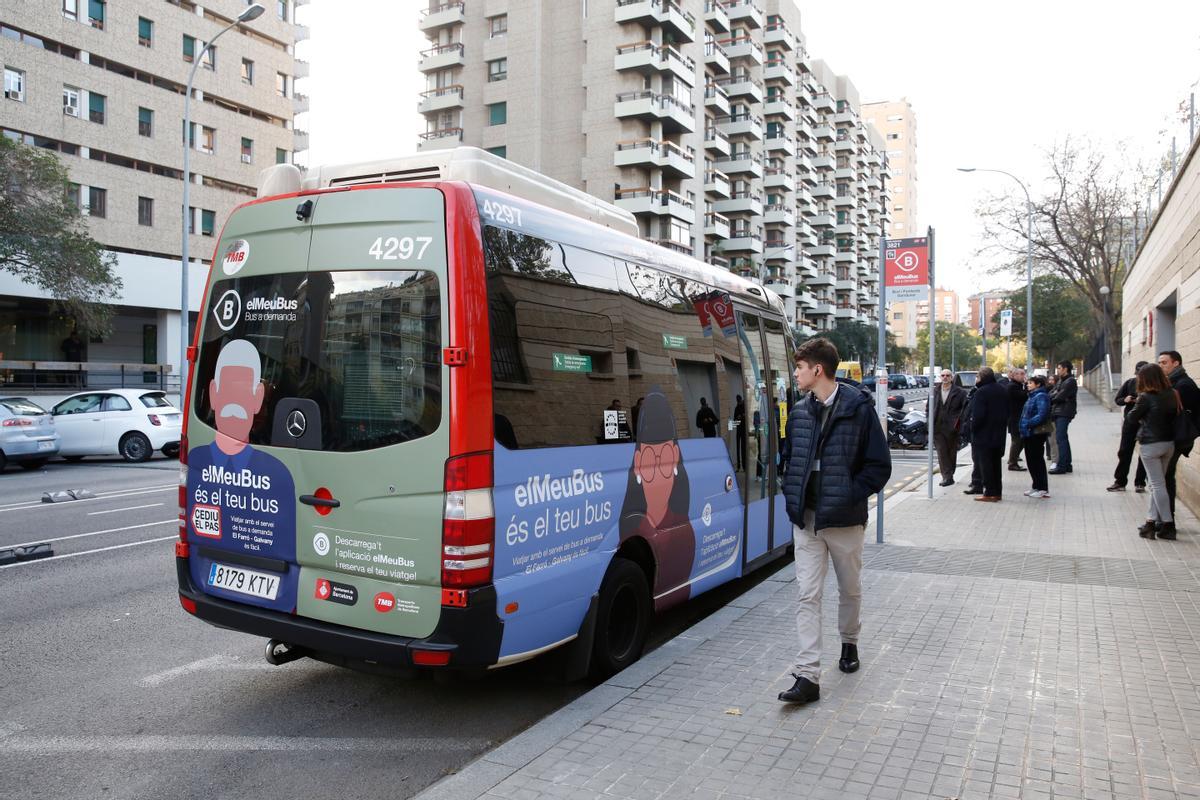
{"type": "Point", "coordinates": [1154, 413]}
{"type": "Point", "coordinates": [1036, 427]}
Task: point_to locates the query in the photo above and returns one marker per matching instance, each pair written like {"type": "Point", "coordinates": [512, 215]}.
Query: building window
{"type": "Point", "coordinates": [497, 70]}
{"type": "Point", "coordinates": [189, 48]}
{"type": "Point", "coordinates": [281, 8]}
{"type": "Point", "coordinates": [210, 57]}
{"type": "Point", "coordinates": [501, 151]}
{"type": "Point", "coordinates": [145, 32]}
{"type": "Point", "coordinates": [281, 156]}
{"type": "Point", "coordinates": [71, 101]}
{"type": "Point", "coordinates": [497, 113]}
{"type": "Point", "coordinates": [498, 26]}
{"type": "Point", "coordinates": [146, 211]}
{"type": "Point", "coordinates": [97, 202]}
{"type": "Point", "coordinates": [247, 71]}
{"type": "Point", "coordinates": [97, 103]}
{"type": "Point", "coordinates": [70, 9]}
{"type": "Point", "coordinates": [191, 220]}
{"type": "Point", "coordinates": [145, 122]}
{"type": "Point", "coordinates": [893, 136]}
{"type": "Point", "coordinates": [208, 139]}
{"type": "Point", "coordinates": [96, 13]}
{"type": "Point", "coordinates": [208, 221]}
{"type": "Point", "coordinates": [14, 84]}
{"type": "Point", "coordinates": [247, 150]}
{"type": "Point", "coordinates": [73, 196]}
{"type": "Point", "coordinates": [281, 82]}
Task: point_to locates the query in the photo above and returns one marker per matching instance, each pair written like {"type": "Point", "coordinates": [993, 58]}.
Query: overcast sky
{"type": "Point", "coordinates": [992, 85]}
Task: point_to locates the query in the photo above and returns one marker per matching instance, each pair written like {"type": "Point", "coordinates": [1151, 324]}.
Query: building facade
{"type": "Point", "coordinates": [707, 119]}
{"type": "Point", "coordinates": [988, 304]}
{"type": "Point", "coordinates": [102, 85]}
{"type": "Point", "coordinates": [906, 319]}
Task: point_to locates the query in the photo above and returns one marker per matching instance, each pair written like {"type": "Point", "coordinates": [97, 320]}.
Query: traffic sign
{"type": "Point", "coordinates": [906, 269]}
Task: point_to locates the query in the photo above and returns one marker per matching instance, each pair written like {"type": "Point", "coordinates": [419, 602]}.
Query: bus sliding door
{"type": "Point", "coordinates": [778, 384]}
{"type": "Point", "coordinates": [756, 439]}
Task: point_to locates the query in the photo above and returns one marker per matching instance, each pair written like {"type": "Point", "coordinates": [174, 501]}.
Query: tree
{"type": "Point", "coordinates": [44, 240]}
{"type": "Point", "coordinates": [956, 347]}
{"type": "Point", "coordinates": [859, 341]}
{"type": "Point", "coordinates": [1082, 229]}
{"type": "Point", "coordinates": [1061, 319]}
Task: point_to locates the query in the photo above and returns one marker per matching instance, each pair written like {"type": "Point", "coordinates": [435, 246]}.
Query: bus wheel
{"type": "Point", "coordinates": [622, 618]}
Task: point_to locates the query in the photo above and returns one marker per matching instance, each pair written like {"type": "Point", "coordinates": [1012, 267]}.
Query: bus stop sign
{"type": "Point", "coordinates": [906, 269]}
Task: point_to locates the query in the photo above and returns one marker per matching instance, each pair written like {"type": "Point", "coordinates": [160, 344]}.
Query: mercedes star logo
{"type": "Point", "coordinates": [296, 424]}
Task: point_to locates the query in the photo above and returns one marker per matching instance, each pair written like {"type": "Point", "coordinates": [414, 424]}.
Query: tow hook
{"type": "Point", "coordinates": [279, 653]}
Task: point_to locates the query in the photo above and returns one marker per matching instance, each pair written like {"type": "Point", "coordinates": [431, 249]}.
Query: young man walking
{"type": "Point", "coordinates": [1063, 409]}
{"type": "Point", "coordinates": [835, 456]}
{"type": "Point", "coordinates": [949, 402]}
{"type": "Point", "coordinates": [1126, 397]}
{"type": "Point", "coordinates": [1172, 364]}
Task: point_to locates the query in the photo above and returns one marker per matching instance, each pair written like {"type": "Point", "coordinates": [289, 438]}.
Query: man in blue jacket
{"type": "Point", "coordinates": [835, 457]}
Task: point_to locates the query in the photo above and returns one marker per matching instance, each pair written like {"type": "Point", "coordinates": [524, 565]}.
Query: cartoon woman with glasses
{"type": "Point", "coordinates": [657, 498]}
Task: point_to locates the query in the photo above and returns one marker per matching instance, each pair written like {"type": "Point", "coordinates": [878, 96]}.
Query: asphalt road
{"type": "Point", "coordinates": [111, 691]}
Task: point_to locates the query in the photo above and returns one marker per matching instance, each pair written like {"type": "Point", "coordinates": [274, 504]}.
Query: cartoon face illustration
{"type": "Point", "coordinates": [236, 391]}
{"type": "Point", "coordinates": [657, 466]}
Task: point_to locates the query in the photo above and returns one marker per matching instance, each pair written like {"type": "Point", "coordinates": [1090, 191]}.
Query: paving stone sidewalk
{"type": "Point", "coordinates": [1027, 649]}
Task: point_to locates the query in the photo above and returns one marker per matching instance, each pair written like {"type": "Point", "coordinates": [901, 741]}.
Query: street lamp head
{"type": "Point", "coordinates": [1104, 290]}
{"type": "Point", "coordinates": [251, 13]}
{"type": "Point", "coordinates": [965, 169]}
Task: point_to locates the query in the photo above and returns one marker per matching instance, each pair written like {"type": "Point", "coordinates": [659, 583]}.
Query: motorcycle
{"type": "Point", "coordinates": [907, 430]}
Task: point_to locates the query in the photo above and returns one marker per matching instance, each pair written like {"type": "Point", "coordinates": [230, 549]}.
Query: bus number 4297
{"type": "Point", "coordinates": [399, 249]}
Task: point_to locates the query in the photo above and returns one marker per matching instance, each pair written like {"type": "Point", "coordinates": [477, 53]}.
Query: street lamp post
{"type": "Point", "coordinates": [1104, 292]}
{"type": "Point", "coordinates": [252, 12]}
{"type": "Point", "coordinates": [1028, 263]}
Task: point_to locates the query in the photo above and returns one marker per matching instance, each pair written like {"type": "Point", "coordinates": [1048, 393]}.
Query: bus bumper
{"type": "Point", "coordinates": [471, 635]}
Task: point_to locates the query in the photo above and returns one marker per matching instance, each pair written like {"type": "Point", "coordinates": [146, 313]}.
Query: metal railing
{"type": "Point", "coordinates": [72, 376]}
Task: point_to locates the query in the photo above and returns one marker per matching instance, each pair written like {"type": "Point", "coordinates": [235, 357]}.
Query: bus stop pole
{"type": "Point", "coordinates": [932, 383]}
{"type": "Point", "coordinates": [881, 375]}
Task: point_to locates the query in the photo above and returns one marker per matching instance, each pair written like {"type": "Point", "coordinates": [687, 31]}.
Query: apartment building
{"type": "Point", "coordinates": [708, 119]}
{"type": "Point", "coordinates": [987, 304]}
{"type": "Point", "coordinates": [905, 320]}
{"type": "Point", "coordinates": [102, 84]}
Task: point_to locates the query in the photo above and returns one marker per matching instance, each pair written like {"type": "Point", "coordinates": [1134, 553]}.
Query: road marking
{"type": "Point", "coordinates": [87, 552]}
{"type": "Point", "coordinates": [220, 743]}
{"type": "Point", "coordinates": [96, 533]}
{"type": "Point", "coordinates": [126, 493]}
{"type": "Point", "coordinates": [130, 508]}
{"type": "Point", "coordinates": [221, 662]}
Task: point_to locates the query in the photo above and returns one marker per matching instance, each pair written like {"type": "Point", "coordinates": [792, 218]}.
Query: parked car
{"type": "Point", "coordinates": [28, 435]}
{"type": "Point", "coordinates": [922, 381]}
{"type": "Point", "coordinates": [965, 378]}
{"type": "Point", "coordinates": [897, 381]}
{"type": "Point", "coordinates": [868, 382]}
{"type": "Point", "coordinates": [132, 423]}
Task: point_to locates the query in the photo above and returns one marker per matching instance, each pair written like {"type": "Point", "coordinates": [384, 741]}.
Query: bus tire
{"type": "Point", "coordinates": [623, 618]}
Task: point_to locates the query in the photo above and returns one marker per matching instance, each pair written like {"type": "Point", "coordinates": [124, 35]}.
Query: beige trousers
{"type": "Point", "coordinates": [844, 546]}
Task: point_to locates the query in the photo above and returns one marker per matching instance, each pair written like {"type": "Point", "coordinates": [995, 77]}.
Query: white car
{"type": "Point", "coordinates": [132, 423]}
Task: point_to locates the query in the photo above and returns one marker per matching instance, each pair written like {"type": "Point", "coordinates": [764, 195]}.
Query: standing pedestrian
{"type": "Point", "coordinates": [1036, 426]}
{"type": "Point", "coordinates": [1051, 441]}
{"type": "Point", "coordinates": [707, 420]}
{"type": "Point", "coordinates": [1125, 398]}
{"type": "Point", "coordinates": [949, 401]}
{"type": "Point", "coordinates": [1017, 395]}
{"type": "Point", "coordinates": [1189, 395]}
{"type": "Point", "coordinates": [1154, 414]}
{"type": "Point", "coordinates": [1063, 409]}
{"type": "Point", "coordinates": [739, 425]}
{"type": "Point", "coordinates": [989, 432]}
{"type": "Point", "coordinates": [836, 456]}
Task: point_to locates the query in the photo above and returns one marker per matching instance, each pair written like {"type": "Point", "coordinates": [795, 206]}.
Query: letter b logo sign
{"type": "Point", "coordinates": [228, 310]}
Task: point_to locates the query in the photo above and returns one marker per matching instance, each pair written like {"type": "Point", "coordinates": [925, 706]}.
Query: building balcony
{"type": "Point", "coordinates": [744, 125]}
{"type": "Point", "coordinates": [845, 229]}
{"type": "Point", "coordinates": [741, 164]}
{"type": "Point", "coordinates": [845, 174]}
{"type": "Point", "coordinates": [658, 12]}
{"type": "Point", "coordinates": [715, 98]}
{"type": "Point", "coordinates": [678, 247]}
{"type": "Point", "coordinates": [845, 118]}
{"type": "Point", "coordinates": [743, 86]}
{"type": "Point", "coordinates": [822, 191]}
{"type": "Point", "coordinates": [717, 142]}
{"type": "Point", "coordinates": [824, 133]}
{"type": "Point", "coordinates": [640, 57]}
{"type": "Point", "coordinates": [716, 59]}
{"type": "Point", "coordinates": [441, 57]}
{"type": "Point", "coordinates": [780, 286]}
{"type": "Point", "coordinates": [845, 200]}
{"type": "Point", "coordinates": [714, 15]}
{"type": "Point", "coordinates": [443, 15]}
{"type": "Point", "coordinates": [779, 107]}
{"type": "Point", "coordinates": [821, 251]}
{"type": "Point", "coordinates": [741, 242]}
{"type": "Point", "coordinates": [805, 298]}
{"type": "Point", "coordinates": [778, 34]}
{"type": "Point", "coordinates": [846, 256]}
{"type": "Point", "coordinates": [779, 71]}
{"type": "Point", "coordinates": [804, 163]}
{"type": "Point", "coordinates": [821, 309]}
{"type": "Point", "coordinates": [779, 214]}
{"type": "Point", "coordinates": [657, 203]}
{"type": "Point", "coordinates": [846, 145]}
{"type": "Point", "coordinates": [872, 207]}
{"type": "Point", "coordinates": [440, 139]}
{"type": "Point", "coordinates": [677, 64]}
{"type": "Point", "coordinates": [436, 100]}
{"type": "Point", "coordinates": [846, 284]}
{"type": "Point", "coordinates": [779, 178]}
{"type": "Point", "coordinates": [740, 203]}
{"type": "Point", "coordinates": [300, 140]}
{"type": "Point", "coordinates": [675, 161]}
{"type": "Point", "coordinates": [300, 103]}
{"type": "Point", "coordinates": [846, 312]}
{"type": "Point", "coordinates": [717, 183]}
{"type": "Point", "coordinates": [674, 115]}
{"type": "Point", "coordinates": [823, 163]}
{"type": "Point", "coordinates": [716, 225]}
{"type": "Point", "coordinates": [825, 220]}
{"type": "Point", "coordinates": [743, 47]}
{"type": "Point", "coordinates": [780, 143]}
{"type": "Point", "coordinates": [301, 69]}
{"type": "Point", "coordinates": [744, 12]}
{"type": "Point", "coordinates": [823, 101]}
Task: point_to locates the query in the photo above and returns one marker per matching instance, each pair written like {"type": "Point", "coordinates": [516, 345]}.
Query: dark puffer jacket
{"type": "Point", "coordinates": [855, 462]}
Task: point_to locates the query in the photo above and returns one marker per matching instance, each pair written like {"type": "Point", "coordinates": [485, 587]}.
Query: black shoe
{"type": "Point", "coordinates": [849, 660]}
{"type": "Point", "coordinates": [1147, 529]}
{"type": "Point", "coordinates": [1016, 468]}
{"type": "Point", "coordinates": [973, 490]}
{"type": "Point", "coordinates": [1116, 487]}
{"type": "Point", "coordinates": [1166, 530]}
{"type": "Point", "coordinates": [1060, 472]}
{"type": "Point", "coordinates": [1139, 489]}
{"type": "Point", "coordinates": [946, 483]}
{"type": "Point", "coordinates": [803, 691]}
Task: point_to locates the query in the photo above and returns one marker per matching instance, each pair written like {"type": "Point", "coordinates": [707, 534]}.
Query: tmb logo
{"type": "Point", "coordinates": [236, 256]}
{"type": "Point", "coordinates": [385, 602]}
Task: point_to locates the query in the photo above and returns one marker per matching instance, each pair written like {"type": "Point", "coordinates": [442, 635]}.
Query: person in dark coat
{"type": "Point", "coordinates": [706, 419]}
{"type": "Point", "coordinates": [836, 456]}
{"type": "Point", "coordinates": [1017, 395]}
{"type": "Point", "coordinates": [1063, 409]}
{"type": "Point", "coordinates": [989, 432]}
{"type": "Point", "coordinates": [1125, 398]}
{"type": "Point", "coordinates": [1154, 414]}
{"type": "Point", "coordinates": [1172, 364]}
{"type": "Point", "coordinates": [949, 402]}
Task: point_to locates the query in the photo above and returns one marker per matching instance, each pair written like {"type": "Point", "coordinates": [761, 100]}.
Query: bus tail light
{"type": "Point", "coordinates": [468, 522]}
{"type": "Point", "coordinates": [182, 489]}
{"type": "Point", "coordinates": [430, 658]}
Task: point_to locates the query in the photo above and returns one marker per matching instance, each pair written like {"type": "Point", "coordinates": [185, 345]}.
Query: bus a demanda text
{"type": "Point", "coordinates": [434, 424]}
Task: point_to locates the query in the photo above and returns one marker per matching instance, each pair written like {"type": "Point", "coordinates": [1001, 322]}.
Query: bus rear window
{"type": "Point", "coordinates": [365, 347]}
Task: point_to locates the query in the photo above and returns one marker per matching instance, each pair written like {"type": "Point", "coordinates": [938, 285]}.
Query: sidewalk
{"type": "Point", "coordinates": [1032, 648]}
